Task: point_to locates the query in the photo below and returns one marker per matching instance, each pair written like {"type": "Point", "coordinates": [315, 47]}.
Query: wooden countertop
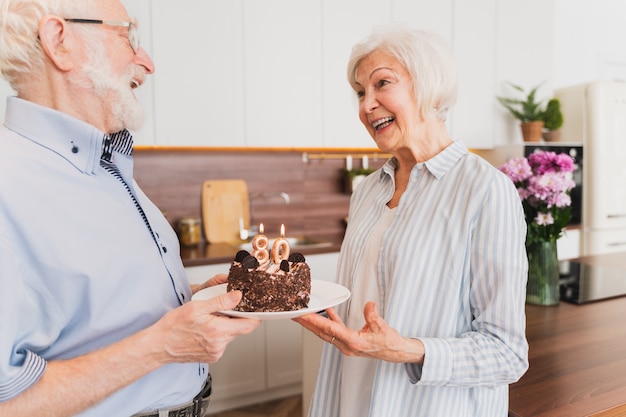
{"type": "Point", "coordinates": [577, 357]}
{"type": "Point", "coordinates": [217, 253]}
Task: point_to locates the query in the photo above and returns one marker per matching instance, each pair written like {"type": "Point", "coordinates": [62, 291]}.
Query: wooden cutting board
{"type": "Point", "coordinates": [224, 202]}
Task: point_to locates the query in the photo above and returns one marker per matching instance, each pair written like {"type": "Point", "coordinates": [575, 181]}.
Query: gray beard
{"type": "Point", "coordinates": [124, 111]}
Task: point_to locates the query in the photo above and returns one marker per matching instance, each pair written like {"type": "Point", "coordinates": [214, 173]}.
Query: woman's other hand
{"type": "Point", "coordinates": [216, 280]}
{"type": "Point", "coordinates": [376, 339]}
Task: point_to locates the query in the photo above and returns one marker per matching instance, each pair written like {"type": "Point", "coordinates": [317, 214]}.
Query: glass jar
{"type": "Point", "coordinates": [189, 228]}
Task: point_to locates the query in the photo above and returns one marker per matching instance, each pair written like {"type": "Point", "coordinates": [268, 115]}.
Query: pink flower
{"type": "Point", "coordinates": [544, 219]}
{"type": "Point", "coordinates": [544, 162]}
{"type": "Point", "coordinates": [517, 169]}
{"type": "Point", "coordinates": [562, 200]}
{"type": "Point", "coordinates": [543, 182]}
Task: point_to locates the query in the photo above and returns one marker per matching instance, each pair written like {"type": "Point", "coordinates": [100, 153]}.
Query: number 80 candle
{"type": "Point", "coordinates": [280, 248]}
{"type": "Point", "coordinates": [260, 245]}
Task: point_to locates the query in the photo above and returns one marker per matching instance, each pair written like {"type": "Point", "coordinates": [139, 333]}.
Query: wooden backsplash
{"type": "Point", "coordinates": [318, 205]}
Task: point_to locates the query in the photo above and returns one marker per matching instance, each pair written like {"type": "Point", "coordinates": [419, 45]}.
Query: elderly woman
{"type": "Point", "coordinates": [434, 255]}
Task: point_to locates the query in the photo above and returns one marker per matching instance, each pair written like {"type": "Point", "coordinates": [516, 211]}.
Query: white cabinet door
{"type": "Point", "coordinates": [473, 39]}
{"type": "Point", "coordinates": [199, 274]}
{"type": "Point", "coordinates": [283, 344]}
{"type": "Point", "coordinates": [323, 267]}
{"type": "Point", "coordinates": [344, 23]}
{"type": "Point", "coordinates": [266, 360]}
{"type": "Point", "coordinates": [282, 52]}
{"type": "Point", "coordinates": [140, 10]}
{"type": "Point", "coordinates": [523, 56]}
{"type": "Point", "coordinates": [426, 15]}
{"type": "Point", "coordinates": [198, 82]}
{"type": "Point", "coordinates": [241, 370]}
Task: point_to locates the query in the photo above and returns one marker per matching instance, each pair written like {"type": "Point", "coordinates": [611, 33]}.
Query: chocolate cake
{"type": "Point", "coordinates": [270, 287]}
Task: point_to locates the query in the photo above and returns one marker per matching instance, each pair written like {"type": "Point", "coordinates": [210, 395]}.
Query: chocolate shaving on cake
{"type": "Point", "coordinates": [296, 257]}
{"type": "Point", "coordinates": [250, 262]}
{"type": "Point", "coordinates": [241, 255]}
{"type": "Point", "coordinates": [271, 287]}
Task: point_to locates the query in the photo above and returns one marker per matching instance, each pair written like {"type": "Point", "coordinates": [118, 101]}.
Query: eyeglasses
{"type": "Point", "coordinates": [133, 35]}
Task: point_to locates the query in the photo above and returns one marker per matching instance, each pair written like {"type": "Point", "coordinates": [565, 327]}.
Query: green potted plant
{"type": "Point", "coordinates": [528, 110]}
{"type": "Point", "coordinates": [552, 120]}
{"type": "Point", "coordinates": [353, 177]}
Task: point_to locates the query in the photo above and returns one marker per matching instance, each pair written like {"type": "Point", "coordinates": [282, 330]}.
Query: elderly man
{"type": "Point", "coordinates": [95, 318]}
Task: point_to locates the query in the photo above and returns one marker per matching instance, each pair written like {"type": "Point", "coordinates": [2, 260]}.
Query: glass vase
{"type": "Point", "coordinates": [543, 274]}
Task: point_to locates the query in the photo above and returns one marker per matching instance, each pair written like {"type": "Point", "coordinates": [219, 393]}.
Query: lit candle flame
{"type": "Point", "coordinates": [261, 229]}
{"type": "Point", "coordinates": [282, 230]}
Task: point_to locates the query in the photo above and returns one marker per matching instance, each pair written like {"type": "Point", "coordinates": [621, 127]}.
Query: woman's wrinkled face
{"type": "Point", "coordinates": [387, 106]}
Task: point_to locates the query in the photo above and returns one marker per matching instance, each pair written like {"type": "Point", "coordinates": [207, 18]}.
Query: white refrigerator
{"type": "Point", "coordinates": [595, 115]}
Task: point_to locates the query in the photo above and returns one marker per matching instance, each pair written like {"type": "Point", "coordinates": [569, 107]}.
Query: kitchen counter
{"type": "Point", "coordinates": [217, 253]}
{"type": "Point", "coordinates": [577, 357]}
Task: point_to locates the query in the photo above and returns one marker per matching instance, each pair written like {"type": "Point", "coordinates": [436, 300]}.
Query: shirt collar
{"type": "Point", "coordinates": [438, 165]}
{"type": "Point", "coordinates": [80, 143]}
{"type": "Point", "coordinates": [120, 142]}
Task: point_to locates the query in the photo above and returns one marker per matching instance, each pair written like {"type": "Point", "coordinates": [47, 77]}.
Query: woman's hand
{"type": "Point", "coordinates": [216, 280]}
{"type": "Point", "coordinates": [376, 339]}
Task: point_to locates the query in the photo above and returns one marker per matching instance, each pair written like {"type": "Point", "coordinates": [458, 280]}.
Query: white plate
{"type": "Point", "coordinates": [324, 295]}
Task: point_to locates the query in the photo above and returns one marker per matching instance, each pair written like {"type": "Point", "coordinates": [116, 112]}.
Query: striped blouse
{"type": "Point", "coordinates": [452, 272]}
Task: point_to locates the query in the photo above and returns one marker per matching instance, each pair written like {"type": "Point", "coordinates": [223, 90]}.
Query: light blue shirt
{"type": "Point", "coordinates": [79, 266]}
{"type": "Point", "coordinates": [452, 272]}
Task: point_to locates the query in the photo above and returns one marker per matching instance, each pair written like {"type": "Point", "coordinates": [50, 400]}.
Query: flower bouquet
{"type": "Point", "coordinates": [544, 181]}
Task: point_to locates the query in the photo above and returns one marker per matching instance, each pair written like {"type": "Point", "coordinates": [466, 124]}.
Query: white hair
{"type": "Point", "coordinates": [425, 55]}
{"type": "Point", "coordinates": [20, 49]}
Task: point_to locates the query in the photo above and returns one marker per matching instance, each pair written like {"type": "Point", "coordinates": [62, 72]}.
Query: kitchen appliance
{"type": "Point", "coordinates": [595, 116]}
{"type": "Point", "coordinates": [582, 283]}
{"type": "Point", "coordinates": [225, 208]}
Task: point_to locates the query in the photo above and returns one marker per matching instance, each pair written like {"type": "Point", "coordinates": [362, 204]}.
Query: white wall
{"type": "Point", "coordinates": [590, 41]}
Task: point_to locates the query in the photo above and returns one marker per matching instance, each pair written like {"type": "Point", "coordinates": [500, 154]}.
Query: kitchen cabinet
{"type": "Point", "coordinates": [323, 267]}
{"type": "Point", "coordinates": [271, 73]}
{"type": "Point", "coordinates": [473, 38]}
{"type": "Point", "coordinates": [235, 74]}
{"type": "Point", "coordinates": [199, 81]}
{"type": "Point", "coordinates": [282, 55]}
{"type": "Point", "coordinates": [345, 23]}
{"type": "Point", "coordinates": [140, 10]}
{"type": "Point", "coordinates": [524, 54]}
{"type": "Point", "coordinates": [267, 363]}
{"type": "Point", "coordinates": [241, 370]}
{"type": "Point", "coordinates": [263, 365]}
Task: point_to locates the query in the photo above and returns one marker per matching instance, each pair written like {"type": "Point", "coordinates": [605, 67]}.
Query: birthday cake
{"type": "Point", "coordinates": [280, 282]}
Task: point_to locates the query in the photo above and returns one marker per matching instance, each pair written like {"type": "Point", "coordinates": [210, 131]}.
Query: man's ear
{"type": "Point", "coordinates": [56, 42]}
